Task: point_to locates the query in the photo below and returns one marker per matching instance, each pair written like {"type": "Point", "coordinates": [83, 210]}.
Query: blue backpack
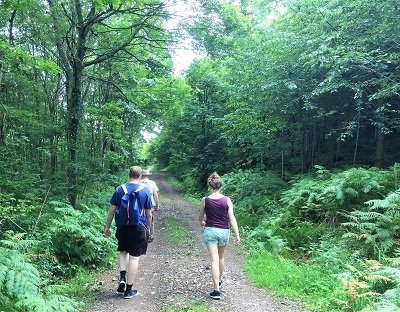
{"type": "Point", "coordinates": [129, 212]}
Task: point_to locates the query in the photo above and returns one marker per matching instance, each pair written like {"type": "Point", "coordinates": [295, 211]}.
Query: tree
{"type": "Point", "coordinates": [80, 28]}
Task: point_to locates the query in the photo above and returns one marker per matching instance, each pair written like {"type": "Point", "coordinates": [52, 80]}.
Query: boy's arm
{"type": "Point", "coordinates": [110, 216]}
{"type": "Point", "coordinates": [149, 215]}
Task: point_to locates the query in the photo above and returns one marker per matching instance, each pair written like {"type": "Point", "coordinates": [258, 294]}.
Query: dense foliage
{"type": "Point", "coordinates": [79, 80]}
{"type": "Point", "coordinates": [296, 103]}
{"type": "Point", "coordinates": [313, 82]}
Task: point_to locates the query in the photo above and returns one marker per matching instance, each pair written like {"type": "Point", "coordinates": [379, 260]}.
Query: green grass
{"type": "Point", "coordinates": [83, 282]}
{"type": "Point", "coordinates": [174, 182]}
{"type": "Point", "coordinates": [191, 307]}
{"type": "Point", "coordinates": [177, 233]}
{"type": "Point", "coordinates": [194, 200]}
{"type": "Point", "coordinates": [308, 282]}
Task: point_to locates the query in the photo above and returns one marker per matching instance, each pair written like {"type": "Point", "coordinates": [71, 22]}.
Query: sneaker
{"type": "Point", "coordinates": [215, 294]}
{"type": "Point", "coordinates": [130, 293]}
{"type": "Point", "coordinates": [121, 285]}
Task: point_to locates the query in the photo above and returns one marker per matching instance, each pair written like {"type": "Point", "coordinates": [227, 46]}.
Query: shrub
{"type": "Point", "coordinates": [376, 227]}
{"type": "Point", "coordinates": [324, 197]}
{"type": "Point", "coordinates": [77, 237]}
{"type": "Point", "coordinates": [254, 194]}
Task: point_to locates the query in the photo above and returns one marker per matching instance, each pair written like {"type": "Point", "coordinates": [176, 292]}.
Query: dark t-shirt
{"type": "Point", "coordinates": [217, 212]}
{"type": "Point", "coordinates": [144, 196]}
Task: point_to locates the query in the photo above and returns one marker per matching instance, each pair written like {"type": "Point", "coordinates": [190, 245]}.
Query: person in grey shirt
{"type": "Point", "coordinates": [153, 190]}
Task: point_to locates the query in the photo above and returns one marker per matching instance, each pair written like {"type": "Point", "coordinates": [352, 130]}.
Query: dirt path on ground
{"type": "Point", "coordinates": [173, 275]}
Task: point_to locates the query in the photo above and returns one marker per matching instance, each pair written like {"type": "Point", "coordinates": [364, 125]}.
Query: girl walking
{"type": "Point", "coordinates": [216, 217]}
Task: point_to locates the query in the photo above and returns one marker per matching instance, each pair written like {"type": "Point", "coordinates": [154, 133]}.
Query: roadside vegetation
{"type": "Point", "coordinates": [51, 251]}
{"type": "Point", "coordinates": [329, 238]}
{"type": "Point", "coordinates": [294, 102]}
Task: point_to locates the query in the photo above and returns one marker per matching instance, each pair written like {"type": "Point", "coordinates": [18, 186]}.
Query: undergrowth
{"type": "Point", "coordinates": [328, 238]}
{"type": "Point", "coordinates": [49, 259]}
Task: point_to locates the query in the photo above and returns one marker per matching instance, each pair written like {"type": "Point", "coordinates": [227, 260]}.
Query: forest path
{"type": "Point", "coordinates": [171, 275]}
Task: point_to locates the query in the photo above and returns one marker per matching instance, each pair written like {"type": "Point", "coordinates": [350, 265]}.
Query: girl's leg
{"type": "Point", "coordinates": [214, 258]}
{"type": "Point", "coordinates": [221, 256]}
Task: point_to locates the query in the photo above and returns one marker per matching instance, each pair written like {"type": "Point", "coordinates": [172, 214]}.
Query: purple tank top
{"type": "Point", "coordinates": [217, 212]}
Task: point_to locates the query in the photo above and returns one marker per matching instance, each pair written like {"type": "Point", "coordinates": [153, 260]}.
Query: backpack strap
{"type": "Point", "coordinates": [124, 188]}
{"type": "Point", "coordinates": [139, 188]}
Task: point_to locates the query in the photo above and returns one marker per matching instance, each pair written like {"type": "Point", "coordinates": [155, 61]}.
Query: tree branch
{"type": "Point", "coordinates": [59, 43]}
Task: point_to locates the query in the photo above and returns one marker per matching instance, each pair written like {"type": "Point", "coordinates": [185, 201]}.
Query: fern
{"type": "Point", "coordinates": [53, 303]}
{"type": "Point", "coordinates": [19, 286]}
{"type": "Point", "coordinates": [18, 278]}
{"type": "Point", "coordinates": [75, 238]}
{"type": "Point", "coordinates": [324, 197]}
{"type": "Point", "coordinates": [377, 226]}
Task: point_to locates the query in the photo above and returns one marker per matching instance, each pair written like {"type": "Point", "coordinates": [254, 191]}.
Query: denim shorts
{"type": "Point", "coordinates": [216, 236]}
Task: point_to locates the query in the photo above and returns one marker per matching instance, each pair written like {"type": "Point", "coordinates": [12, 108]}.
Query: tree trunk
{"type": "Point", "coordinates": [357, 137]}
{"type": "Point", "coordinates": [380, 136]}
{"type": "Point", "coordinates": [380, 149]}
{"type": "Point", "coordinates": [11, 27]}
{"type": "Point", "coordinates": [74, 111]}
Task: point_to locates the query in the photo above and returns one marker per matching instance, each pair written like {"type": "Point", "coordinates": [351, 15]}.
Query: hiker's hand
{"type": "Point", "coordinates": [107, 232]}
{"type": "Point", "coordinates": [237, 240]}
{"type": "Point", "coordinates": [157, 208]}
{"type": "Point", "coordinates": [202, 224]}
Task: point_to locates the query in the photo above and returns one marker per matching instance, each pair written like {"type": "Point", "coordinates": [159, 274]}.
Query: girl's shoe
{"type": "Point", "coordinates": [215, 294]}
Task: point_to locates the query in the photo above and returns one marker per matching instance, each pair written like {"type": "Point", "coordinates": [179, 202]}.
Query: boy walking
{"type": "Point", "coordinates": [131, 206]}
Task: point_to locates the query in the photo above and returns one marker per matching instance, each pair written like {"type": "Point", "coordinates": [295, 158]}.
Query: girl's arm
{"type": "Point", "coordinates": [201, 215]}
{"type": "Point", "coordinates": [233, 222]}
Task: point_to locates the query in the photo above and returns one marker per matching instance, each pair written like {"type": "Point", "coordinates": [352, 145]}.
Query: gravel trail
{"type": "Point", "coordinates": [172, 275]}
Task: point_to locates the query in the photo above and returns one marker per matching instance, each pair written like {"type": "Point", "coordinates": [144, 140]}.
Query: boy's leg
{"type": "Point", "coordinates": [133, 267]}
{"type": "Point", "coordinates": [123, 260]}
{"type": "Point", "coordinates": [123, 264]}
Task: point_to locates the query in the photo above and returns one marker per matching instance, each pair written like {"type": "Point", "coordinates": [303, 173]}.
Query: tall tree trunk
{"type": "Point", "coordinates": [74, 109]}
{"type": "Point", "coordinates": [3, 115]}
{"type": "Point", "coordinates": [380, 149]}
{"type": "Point", "coordinates": [10, 27]}
{"type": "Point", "coordinates": [53, 111]}
{"type": "Point", "coordinates": [53, 157]}
{"type": "Point", "coordinates": [357, 136]}
{"type": "Point", "coordinates": [282, 156]}
{"type": "Point", "coordinates": [313, 148]}
{"type": "Point", "coordinates": [380, 136]}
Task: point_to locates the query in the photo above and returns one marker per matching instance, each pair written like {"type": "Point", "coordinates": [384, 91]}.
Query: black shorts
{"type": "Point", "coordinates": [132, 239]}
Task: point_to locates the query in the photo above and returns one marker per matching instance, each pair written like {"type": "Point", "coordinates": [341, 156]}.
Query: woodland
{"type": "Point", "coordinates": [296, 103]}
